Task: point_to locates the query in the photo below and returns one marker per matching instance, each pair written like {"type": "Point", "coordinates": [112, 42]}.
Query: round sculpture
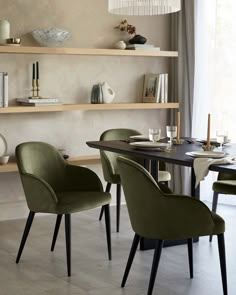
{"type": "Point", "coordinates": [53, 37]}
{"type": "Point", "coordinates": [138, 39]}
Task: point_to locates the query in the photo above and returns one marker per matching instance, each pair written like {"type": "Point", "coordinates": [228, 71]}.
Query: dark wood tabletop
{"type": "Point", "coordinates": [177, 154]}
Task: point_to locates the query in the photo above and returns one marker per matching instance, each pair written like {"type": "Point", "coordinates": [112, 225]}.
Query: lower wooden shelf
{"type": "Point", "coordinates": [88, 107]}
{"type": "Point", "coordinates": [81, 160]}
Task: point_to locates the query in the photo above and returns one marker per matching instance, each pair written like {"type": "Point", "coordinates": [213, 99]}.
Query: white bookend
{"type": "Point", "coordinates": [5, 90]}
{"type": "Point", "coordinates": [158, 89]}
{"type": "Point", "coordinates": [162, 100]}
{"type": "Point", "coordinates": [166, 87]}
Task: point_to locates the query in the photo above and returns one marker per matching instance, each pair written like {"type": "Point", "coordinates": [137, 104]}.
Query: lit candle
{"type": "Point", "coordinates": [208, 130]}
{"type": "Point", "coordinates": [178, 126]}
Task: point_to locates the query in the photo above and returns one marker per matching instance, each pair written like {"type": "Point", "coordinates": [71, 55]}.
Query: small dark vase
{"type": "Point", "coordinates": [138, 39]}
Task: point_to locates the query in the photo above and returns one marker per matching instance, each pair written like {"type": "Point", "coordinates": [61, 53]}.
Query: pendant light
{"type": "Point", "coordinates": [143, 7]}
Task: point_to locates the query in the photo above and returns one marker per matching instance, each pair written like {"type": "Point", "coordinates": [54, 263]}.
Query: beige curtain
{"type": "Point", "coordinates": [182, 81]}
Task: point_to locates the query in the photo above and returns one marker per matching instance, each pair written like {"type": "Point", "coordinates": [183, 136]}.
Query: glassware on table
{"type": "Point", "coordinates": [221, 137]}
{"type": "Point", "coordinates": [154, 134]}
{"type": "Point", "coordinates": [171, 132]}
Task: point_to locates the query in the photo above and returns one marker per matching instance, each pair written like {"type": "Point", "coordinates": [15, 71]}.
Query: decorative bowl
{"type": "Point", "coordinates": [50, 37]}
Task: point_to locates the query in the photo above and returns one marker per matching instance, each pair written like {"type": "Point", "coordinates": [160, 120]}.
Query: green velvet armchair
{"type": "Point", "coordinates": [226, 185]}
{"type": "Point", "coordinates": [51, 185]}
{"type": "Point", "coordinates": [155, 213]}
{"type": "Point", "coordinates": [109, 166]}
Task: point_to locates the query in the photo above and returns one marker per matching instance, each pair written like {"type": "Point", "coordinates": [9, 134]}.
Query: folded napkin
{"type": "Point", "coordinates": [201, 165]}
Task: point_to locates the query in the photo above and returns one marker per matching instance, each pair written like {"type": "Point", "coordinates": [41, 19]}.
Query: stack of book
{"type": "Point", "coordinates": [142, 47]}
{"type": "Point", "coordinates": [38, 101]}
{"type": "Point", "coordinates": [3, 89]}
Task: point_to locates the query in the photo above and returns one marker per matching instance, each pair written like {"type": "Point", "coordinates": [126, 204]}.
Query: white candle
{"type": "Point", "coordinates": [208, 130]}
{"type": "Point", "coordinates": [4, 31]}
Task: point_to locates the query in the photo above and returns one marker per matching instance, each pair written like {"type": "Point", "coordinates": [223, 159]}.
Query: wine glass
{"type": "Point", "coordinates": [154, 134]}
{"type": "Point", "coordinates": [171, 132]}
{"type": "Point", "coordinates": [221, 137]}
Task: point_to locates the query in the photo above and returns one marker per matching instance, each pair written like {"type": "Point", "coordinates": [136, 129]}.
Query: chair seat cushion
{"type": "Point", "coordinates": [71, 202]}
{"type": "Point", "coordinates": [225, 187]}
{"type": "Point", "coordinates": [219, 224]}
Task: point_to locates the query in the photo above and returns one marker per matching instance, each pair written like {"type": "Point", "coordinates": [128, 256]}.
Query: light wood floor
{"type": "Point", "coordinates": [41, 272]}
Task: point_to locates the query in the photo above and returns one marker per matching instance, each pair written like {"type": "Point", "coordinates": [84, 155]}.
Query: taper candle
{"type": "Point", "coordinates": [208, 130]}
{"type": "Point", "coordinates": [178, 126]}
{"type": "Point", "coordinates": [33, 73]}
{"type": "Point", "coordinates": [37, 70]}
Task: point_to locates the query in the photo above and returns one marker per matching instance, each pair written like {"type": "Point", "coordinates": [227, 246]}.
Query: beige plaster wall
{"type": "Point", "coordinates": [70, 78]}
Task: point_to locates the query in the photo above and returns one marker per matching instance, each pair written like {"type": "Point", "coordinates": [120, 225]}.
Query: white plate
{"type": "Point", "coordinates": [139, 137]}
{"type": "Point", "coordinates": [149, 144]}
{"type": "Point", "coordinates": [212, 140]}
{"type": "Point", "coordinates": [206, 154]}
{"type": "Point", "coordinates": [3, 145]}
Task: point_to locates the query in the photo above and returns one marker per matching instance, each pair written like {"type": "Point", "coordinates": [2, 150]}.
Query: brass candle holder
{"type": "Point", "coordinates": [208, 148]}
{"type": "Point", "coordinates": [178, 141]}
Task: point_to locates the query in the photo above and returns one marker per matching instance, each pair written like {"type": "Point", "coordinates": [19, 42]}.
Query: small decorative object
{"type": "Point", "coordinates": [35, 81]}
{"type": "Point", "coordinates": [50, 37]}
{"type": "Point", "coordinates": [143, 7]}
{"type": "Point", "coordinates": [4, 31]}
{"type": "Point", "coordinates": [138, 39]}
{"type": "Point", "coordinates": [130, 29]}
{"type": "Point", "coordinates": [96, 95]}
{"type": "Point", "coordinates": [107, 93]}
{"type": "Point", "coordinates": [120, 45]}
{"type": "Point", "coordinates": [4, 159]}
{"type": "Point", "coordinates": [14, 41]}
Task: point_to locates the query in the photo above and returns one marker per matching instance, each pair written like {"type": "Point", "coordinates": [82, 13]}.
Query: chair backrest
{"type": "Point", "coordinates": [109, 159]}
{"type": "Point", "coordinates": [41, 160]}
{"type": "Point", "coordinates": [145, 201]}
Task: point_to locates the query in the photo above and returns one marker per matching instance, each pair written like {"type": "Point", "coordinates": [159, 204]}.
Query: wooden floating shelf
{"type": "Point", "coordinates": [88, 107]}
{"type": "Point", "coordinates": [82, 160]}
{"type": "Point", "coordinates": [86, 51]}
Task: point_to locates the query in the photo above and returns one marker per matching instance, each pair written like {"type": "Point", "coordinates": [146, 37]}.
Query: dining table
{"type": "Point", "coordinates": [175, 154]}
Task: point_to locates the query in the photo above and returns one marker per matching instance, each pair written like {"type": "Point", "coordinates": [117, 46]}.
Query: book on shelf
{"type": "Point", "coordinates": [31, 100]}
{"type": "Point", "coordinates": [142, 47]}
{"type": "Point", "coordinates": [35, 104]}
{"type": "Point", "coordinates": [3, 89]}
{"type": "Point", "coordinates": [155, 88]}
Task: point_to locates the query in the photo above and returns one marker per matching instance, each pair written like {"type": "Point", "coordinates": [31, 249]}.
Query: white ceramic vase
{"type": "Point", "coordinates": [120, 45]}
{"type": "Point", "coordinates": [108, 93]}
{"type": "Point", "coordinates": [4, 31]}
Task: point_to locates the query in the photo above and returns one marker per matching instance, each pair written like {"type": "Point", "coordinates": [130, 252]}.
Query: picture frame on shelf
{"type": "Point", "coordinates": [151, 88]}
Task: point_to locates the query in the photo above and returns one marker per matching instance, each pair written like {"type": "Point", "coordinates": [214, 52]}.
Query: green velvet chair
{"type": "Point", "coordinates": [51, 185]}
{"type": "Point", "coordinates": [226, 185]}
{"type": "Point", "coordinates": [155, 213]}
{"type": "Point", "coordinates": [109, 166]}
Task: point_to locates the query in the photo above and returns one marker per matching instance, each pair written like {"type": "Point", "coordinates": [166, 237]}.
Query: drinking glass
{"type": "Point", "coordinates": [221, 137]}
{"type": "Point", "coordinates": [171, 132]}
{"type": "Point", "coordinates": [154, 134]}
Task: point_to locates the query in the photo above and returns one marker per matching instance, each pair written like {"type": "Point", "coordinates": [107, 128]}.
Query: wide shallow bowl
{"type": "Point", "coordinates": [50, 37]}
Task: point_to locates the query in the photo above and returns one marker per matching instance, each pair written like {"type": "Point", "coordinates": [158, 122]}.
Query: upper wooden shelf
{"type": "Point", "coordinates": [85, 51]}
{"type": "Point", "coordinates": [88, 107]}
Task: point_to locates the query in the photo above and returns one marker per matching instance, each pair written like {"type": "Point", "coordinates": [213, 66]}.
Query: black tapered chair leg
{"type": "Point", "coordinates": [108, 188]}
{"type": "Point", "coordinates": [56, 230]}
{"type": "Point", "coordinates": [68, 242]}
{"type": "Point", "coordinates": [155, 263]}
{"type": "Point", "coordinates": [25, 234]}
{"type": "Point", "coordinates": [108, 230]}
{"type": "Point", "coordinates": [221, 246]}
{"type": "Point", "coordinates": [190, 256]}
{"type": "Point", "coordinates": [118, 200]}
{"type": "Point", "coordinates": [214, 207]}
{"type": "Point", "coordinates": [130, 259]}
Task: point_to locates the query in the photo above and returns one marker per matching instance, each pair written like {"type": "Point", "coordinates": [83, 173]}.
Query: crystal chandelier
{"type": "Point", "coordinates": [143, 7]}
